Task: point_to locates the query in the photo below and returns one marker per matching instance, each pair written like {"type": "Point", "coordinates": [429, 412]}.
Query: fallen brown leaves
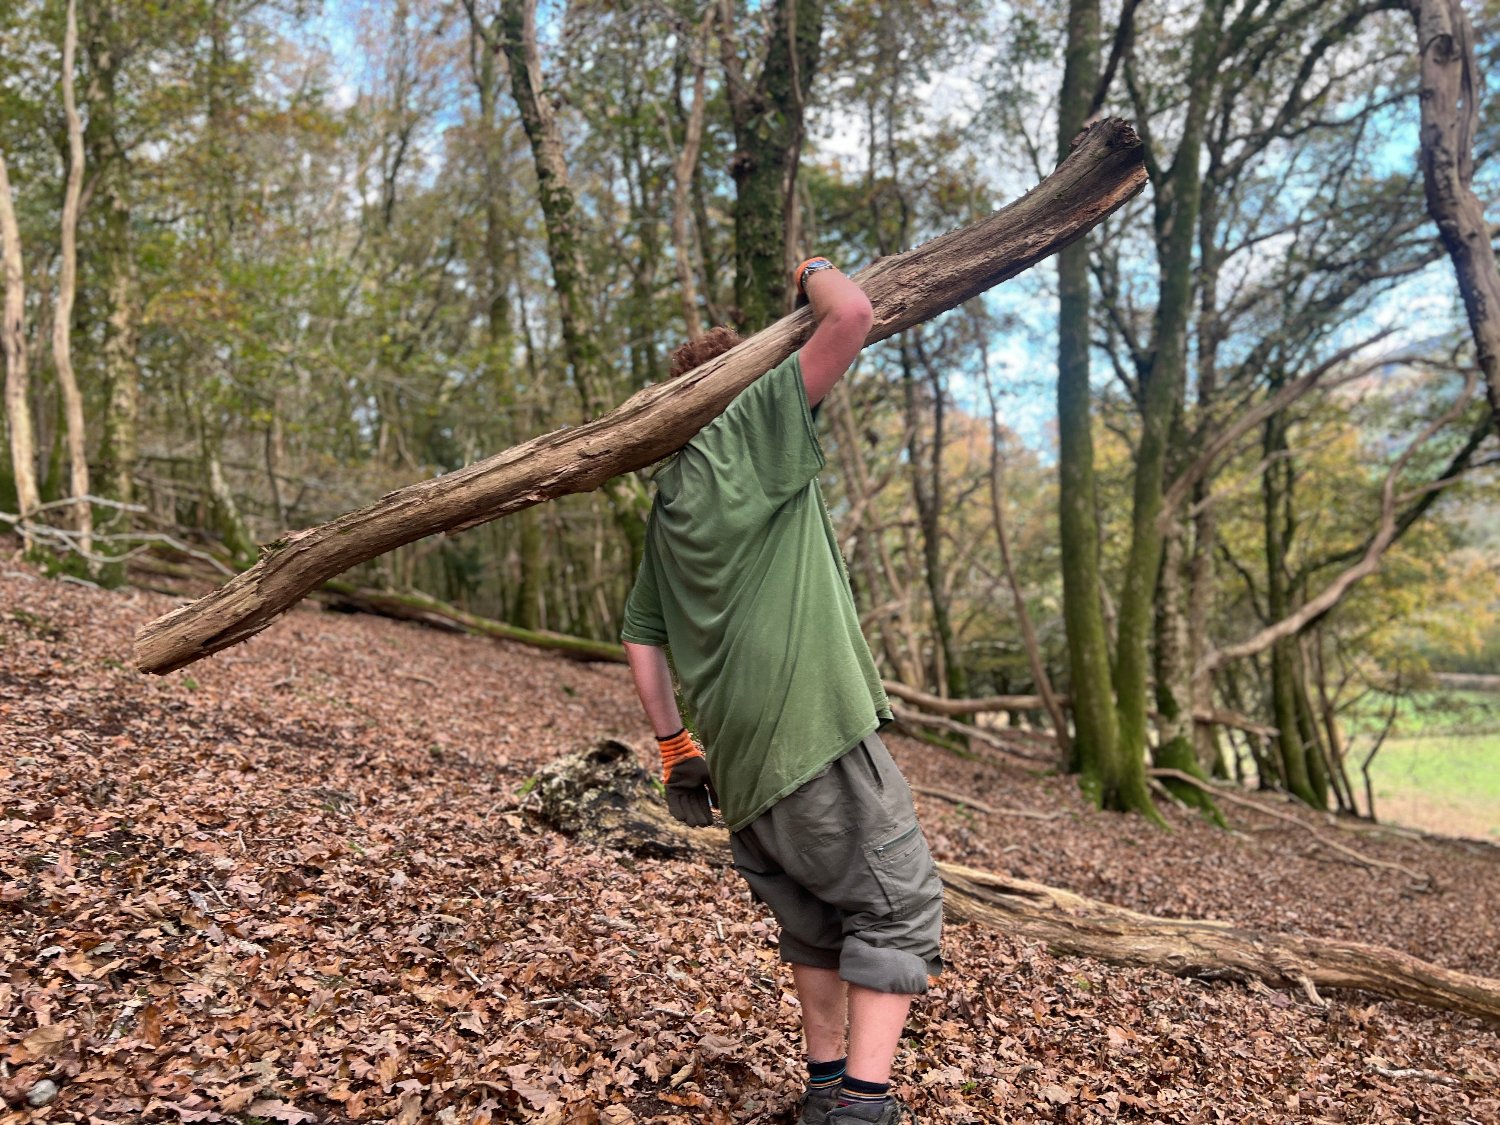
{"type": "Point", "coordinates": [250, 894]}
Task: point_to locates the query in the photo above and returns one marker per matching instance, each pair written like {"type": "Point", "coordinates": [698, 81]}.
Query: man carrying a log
{"type": "Point", "coordinates": [742, 579]}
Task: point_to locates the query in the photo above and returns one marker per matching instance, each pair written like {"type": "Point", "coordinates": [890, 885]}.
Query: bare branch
{"type": "Point", "coordinates": [1335, 591]}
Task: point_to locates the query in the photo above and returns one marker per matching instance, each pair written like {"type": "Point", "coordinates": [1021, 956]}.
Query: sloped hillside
{"type": "Point", "coordinates": [298, 882]}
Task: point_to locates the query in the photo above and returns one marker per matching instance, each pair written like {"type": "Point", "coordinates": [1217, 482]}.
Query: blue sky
{"type": "Point", "coordinates": [1023, 355]}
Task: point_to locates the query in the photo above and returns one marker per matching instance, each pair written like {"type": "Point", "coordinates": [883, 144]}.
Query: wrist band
{"type": "Point", "coordinates": [812, 265]}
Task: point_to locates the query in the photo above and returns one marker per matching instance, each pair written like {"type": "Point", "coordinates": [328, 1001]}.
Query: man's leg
{"type": "Point", "coordinates": [811, 937]}
{"type": "Point", "coordinates": [824, 1011]}
{"type": "Point", "coordinates": [875, 1023]}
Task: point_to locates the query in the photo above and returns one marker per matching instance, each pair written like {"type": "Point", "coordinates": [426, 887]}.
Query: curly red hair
{"type": "Point", "coordinates": [700, 349]}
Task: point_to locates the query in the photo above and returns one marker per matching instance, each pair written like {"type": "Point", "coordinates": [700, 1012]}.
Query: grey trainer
{"type": "Point", "coordinates": [816, 1105]}
{"type": "Point", "coordinates": [894, 1113]}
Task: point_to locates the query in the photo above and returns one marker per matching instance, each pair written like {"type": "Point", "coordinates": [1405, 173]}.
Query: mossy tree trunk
{"type": "Point", "coordinates": [768, 110]}
{"type": "Point", "coordinates": [515, 35]}
{"type": "Point", "coordinates": [113, 256]}
{"type": "Point", "coordinates": [1175, 748]}
{"type": "Point", "coordinates": [1276, 494]}
{"type": "Point", "coordinates": [1096, 746]}
{"type": "Point", "coordinates": [1176, 222]}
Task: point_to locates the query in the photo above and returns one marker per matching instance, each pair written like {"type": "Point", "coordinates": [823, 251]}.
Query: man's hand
{"type": "Point", "coordinates": [690, 797]}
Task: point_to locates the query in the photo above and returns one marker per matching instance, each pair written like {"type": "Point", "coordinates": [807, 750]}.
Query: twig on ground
{"type": "Point", "coordinates": [980, 806]}
{"type": "Point", "coordinates": [1411, 1072]}
{"type": "Point", "coordinates": [1359, 857]}
{"type": "Point", "coordinates": [952, 726]}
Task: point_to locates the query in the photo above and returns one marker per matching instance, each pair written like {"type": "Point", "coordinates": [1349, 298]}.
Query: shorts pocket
{"type": "Point", "coordinates": [902, 865]}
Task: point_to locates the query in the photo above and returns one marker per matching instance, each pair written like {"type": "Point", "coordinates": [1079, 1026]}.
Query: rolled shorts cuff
{"type": "Point", "coordinates": [797, 952]}
{"type": "Point", "coordinates": [884, 969]}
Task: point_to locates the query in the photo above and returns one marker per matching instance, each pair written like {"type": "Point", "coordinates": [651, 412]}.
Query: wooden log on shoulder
{"type": "Point", "coordinates": [1103, 171]}
{"type": "Point", "coordinates": [603, 794]}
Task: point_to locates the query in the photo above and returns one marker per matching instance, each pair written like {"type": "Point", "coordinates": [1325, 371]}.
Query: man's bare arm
{"type": "Point", "coordinates": [653, 683]}
{"type": "Point", "coordinates": [843, 316]}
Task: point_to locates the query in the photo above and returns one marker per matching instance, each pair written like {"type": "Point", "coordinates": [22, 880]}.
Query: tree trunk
{"type": "Point", "coordinates": [224, 512]}
{"type": "Point", "coordinates": [13, 343]}
{"type": "Point", "coordinates": [1096, 742]}
{"type": "Point", "coordinates": [67, 285]}
{"type": "Point", "coordinates": [1023, 618]}
{"type": "Point", "coordinates": [1176, 229]}
{"type": "Point", "coordinates": [112, 246]}
{"type": "Point", "coordinates": [518, 41]}
{"type": "Point", "coordinates": [768, 121]}
{"type": "Point", "coordinates": [926, 475]}
{"type": "Point", "coordinates": [1175, 748]}
{"type": "Point", "coordinates": [1318, 765]}
{"type": "Point", "coordinates": [1338, 775]}
{"type": "Point", "coordinates": [604, 795]}
{"type": "Point", "coordinates": [1451, 89]}
{"type": "Point", "coordinates": [1204, 521]}
{"type": "Point", "coordinates": [1104, 171]}
{"type": "Point", "coordinates": [413, 606]}
{"type": "Point", "coordinates": [684, 168]}
{"type": "Point", "coordinates": [1276, 493]}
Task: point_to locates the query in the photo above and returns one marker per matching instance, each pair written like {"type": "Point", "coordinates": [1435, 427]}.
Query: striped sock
{"type": "Point", "coordinates": [824, 1077]}
{"type": "Point", "coordinates": [870, 1096]}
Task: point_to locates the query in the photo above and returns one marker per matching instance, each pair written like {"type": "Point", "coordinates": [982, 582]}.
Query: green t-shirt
{"type": "Point", "coordinates": [743, 580]}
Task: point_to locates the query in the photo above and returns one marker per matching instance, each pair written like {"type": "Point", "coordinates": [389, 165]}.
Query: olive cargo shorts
{"type": "Point", "coordinates": [843, 865]}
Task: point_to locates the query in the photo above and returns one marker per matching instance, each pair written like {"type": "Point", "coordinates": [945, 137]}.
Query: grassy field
{"type": "Point", "coordinates": [1439, 769]}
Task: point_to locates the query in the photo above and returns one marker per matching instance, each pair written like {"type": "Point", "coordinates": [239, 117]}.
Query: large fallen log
{"type": "Point", "coordinates": [417, 607]}
{"type": "Point", "coordinates": [604, 795]}
{"type": "Point", "coordinates": [939, 705]}
{"type": "Point", "coordinates": [1103, 171]}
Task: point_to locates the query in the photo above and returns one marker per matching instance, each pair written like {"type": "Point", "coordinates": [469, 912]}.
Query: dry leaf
{"type": "Point", "coordinates": [46, 1041]}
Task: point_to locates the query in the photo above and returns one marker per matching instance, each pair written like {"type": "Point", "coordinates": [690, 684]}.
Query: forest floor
{"type": "Point", "coordinates": [298, 882]}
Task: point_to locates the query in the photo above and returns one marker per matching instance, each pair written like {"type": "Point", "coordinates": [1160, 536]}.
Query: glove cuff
{"type": "Point", "coordinates": [680, 747]}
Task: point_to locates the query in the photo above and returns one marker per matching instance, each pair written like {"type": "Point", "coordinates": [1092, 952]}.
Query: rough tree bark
{"type": "Point", "coordinates": [1102, 173]}
{"type": "Point", "coordinates": [13, 344]}
{"type": "Point", "coordinates": [1449, 97]}
{"type": "Point", "coordinates": [603, 794]}
{"type": "Point", "coordinates": [767, 112]}
{"type": "Point", "coordinates": [67, 285]}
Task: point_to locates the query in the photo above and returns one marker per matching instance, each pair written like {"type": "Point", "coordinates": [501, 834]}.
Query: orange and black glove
{"type": "Point", "coordinates": [690, 796]}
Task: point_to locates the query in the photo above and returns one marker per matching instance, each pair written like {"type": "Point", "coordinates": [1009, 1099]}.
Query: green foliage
{"type": "Point", "coordinates": [1428, 714]}
{"type": "Point", "coordinates": [343, 283]}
